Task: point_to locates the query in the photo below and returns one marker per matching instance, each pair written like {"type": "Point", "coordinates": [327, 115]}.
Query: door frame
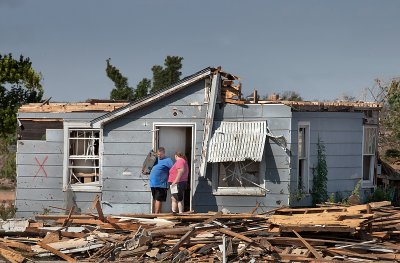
{"type": "Point", "coordinates": [192, 161]}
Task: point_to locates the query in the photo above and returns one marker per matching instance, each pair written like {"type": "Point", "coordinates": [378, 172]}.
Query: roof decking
{"type": "Point", "coordinates": [332, 106]}
{"type": "Point", "coordinates": [71, 107]}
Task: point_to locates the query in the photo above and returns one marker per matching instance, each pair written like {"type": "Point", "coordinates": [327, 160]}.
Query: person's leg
{"type": "Point", "coordinates": [160, 196]}
{"type": "Point", "coordinates": [174, 204]}
{"type": "Point", "coordinates": [153, 203]}
{"type": "Point", "coordinates": [180, 206]}
{"type": "Point", "coordinates": [157, 206]}
{"type": "Point", "coordinates": [181, 195]}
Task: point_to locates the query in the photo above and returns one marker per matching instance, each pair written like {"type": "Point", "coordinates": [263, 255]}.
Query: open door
{"type": "Point", "coordinates": [176, 138]}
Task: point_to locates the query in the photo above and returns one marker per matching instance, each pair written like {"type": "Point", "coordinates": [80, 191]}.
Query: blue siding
{"type": "Point", "coordinates": [342, 135]}
{"type": "Point", "coordinates": [128, 140]}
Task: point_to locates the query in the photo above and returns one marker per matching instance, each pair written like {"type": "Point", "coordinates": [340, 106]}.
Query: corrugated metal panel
{"type": "Point", "coordinates": [238, 141]}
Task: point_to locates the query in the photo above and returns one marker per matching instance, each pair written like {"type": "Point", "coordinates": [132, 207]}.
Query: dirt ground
{"type": "Point", "coordinates": [7, 191]}
{"type": "Point", "coordinates": [7, 196]}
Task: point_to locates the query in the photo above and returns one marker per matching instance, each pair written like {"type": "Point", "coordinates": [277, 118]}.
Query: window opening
{"type": "Point", "coordinates": [369, 149]}
{"type": "Point", "coordinates": [239, 174]}
{"type": "Point", "coordinates": [84, 159]}
{"type": "Point", "coordinates": [302, 153]}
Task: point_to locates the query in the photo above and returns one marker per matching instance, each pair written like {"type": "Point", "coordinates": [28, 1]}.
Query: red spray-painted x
{"type": "Point", "coordinates": [41, 166]}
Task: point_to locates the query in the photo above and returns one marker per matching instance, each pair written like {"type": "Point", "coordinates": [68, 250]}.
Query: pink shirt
{"type": "Point", "coordinates": [173, 172]}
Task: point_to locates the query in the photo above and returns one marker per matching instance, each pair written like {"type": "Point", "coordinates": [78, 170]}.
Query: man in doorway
{"type": "Point", "coordinates": [159, 179]}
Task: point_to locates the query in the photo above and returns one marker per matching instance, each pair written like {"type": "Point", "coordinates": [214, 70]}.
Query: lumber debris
{"type": "Point", "coordinates": [328, 233]}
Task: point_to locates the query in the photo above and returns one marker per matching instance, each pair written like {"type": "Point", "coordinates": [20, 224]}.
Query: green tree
{"type": "Point", "coordinates": [167, 75]}
{"type": "Point", "coordinates": [121, 91]}
{"type": "Point", "coordinates": [158, 78]}
{"type": "Point", "coordinates": [162, 78]}
{"type": "Point", "coordinates": [320, 176]}
{"type": "Point", "coordinates": [390, 114]}
{"type": "Point", "coordinates": [142, 88]}
{"type": "Point", "coordinates": [19, 84]}
{"type": "Point", "coordinates": [291, 96]}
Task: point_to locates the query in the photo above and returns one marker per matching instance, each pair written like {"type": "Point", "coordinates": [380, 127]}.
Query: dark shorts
{"type": "Point", "coordinates": [159, 194]}
{"type": "Point", "coordinates": [181, 191]}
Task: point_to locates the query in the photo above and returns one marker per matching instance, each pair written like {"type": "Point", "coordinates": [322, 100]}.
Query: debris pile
{"type": "Point", "coordinates": [363, 233]}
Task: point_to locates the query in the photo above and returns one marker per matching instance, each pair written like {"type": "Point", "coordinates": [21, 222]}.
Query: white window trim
{"type": "Point", "coordinates": [242, 191]}
{"type": "Point", "coordinates": [96, 187]}
{"type": "Point", "coordinates": [368, 183]}
{"type": "Point", "coordinates": [193, 161]}
{"type": "Point", "coordinates": [304, 124]}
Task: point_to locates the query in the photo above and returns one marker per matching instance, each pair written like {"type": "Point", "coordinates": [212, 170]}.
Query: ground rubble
{"type": "Point", "coordinates": [328, 233]}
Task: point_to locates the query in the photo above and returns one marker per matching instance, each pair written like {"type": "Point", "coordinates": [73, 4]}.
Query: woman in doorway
{"type": "Point", "coordinates": [178, 175]}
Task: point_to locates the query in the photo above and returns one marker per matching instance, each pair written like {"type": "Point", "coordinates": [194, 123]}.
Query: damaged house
{"type": "Point", "coordinates": [240, 153]}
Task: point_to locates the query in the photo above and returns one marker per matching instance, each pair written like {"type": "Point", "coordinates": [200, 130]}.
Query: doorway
{"type": "Point", "coordinates": [177, 137]}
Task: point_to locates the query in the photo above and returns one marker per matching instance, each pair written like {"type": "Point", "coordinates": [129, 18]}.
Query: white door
{"type": "Point", "coordinates": [172, 139]}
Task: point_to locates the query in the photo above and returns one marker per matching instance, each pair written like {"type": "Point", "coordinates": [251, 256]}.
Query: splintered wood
{"type": "Point", "coordinates": [361, 233]}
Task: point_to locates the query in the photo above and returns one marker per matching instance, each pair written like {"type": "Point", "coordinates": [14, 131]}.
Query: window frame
{"type": "Point", "coordinates": [307, 146]}
{"type": "Point", "coordinates": [370, 182]}
{"type": "Point", "coordinates": [92, 187]}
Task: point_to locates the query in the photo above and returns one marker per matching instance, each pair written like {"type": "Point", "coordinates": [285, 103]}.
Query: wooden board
{"type": "Point", "coordinates": [149, 162]}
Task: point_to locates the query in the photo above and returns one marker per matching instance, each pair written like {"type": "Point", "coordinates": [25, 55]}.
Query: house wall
{"type": "Point", "coordinates": [342, 135]}
{"type": "Point", "coordinates": [128, 140]}
{"type": "Point", "coordinates": [277, 172]}
{"type": "Point", "coordinates": [38, 187]}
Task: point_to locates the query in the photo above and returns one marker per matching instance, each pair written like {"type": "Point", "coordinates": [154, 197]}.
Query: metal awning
{"type": "Point", "coordinates": [238, 141]}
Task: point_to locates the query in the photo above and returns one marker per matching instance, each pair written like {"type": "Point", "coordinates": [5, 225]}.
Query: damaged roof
{"type": "Point", "coordinates": [71, 107]}
{"type": "Point", "coordinates": [230, 94]}
{"type": "Point", "coordinates": [327, 105]}
{"type": "Point", "coordinates": [153, 97]}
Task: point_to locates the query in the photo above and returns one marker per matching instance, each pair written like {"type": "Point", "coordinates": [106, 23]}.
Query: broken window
{"type": "Point", "coordinates": [83, 156]}
{"type": "Point", "coordinates": [302, 154]}
{"type": "Point", "coordinates": [35, 129]}
{"type": "Point", "coordinates": [239, 174]}
{"type": "Point", "coordinates": [369, 149]}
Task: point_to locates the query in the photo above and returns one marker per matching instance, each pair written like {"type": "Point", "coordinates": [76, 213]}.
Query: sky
{"type": "Point", "coordinates": [320, 49]}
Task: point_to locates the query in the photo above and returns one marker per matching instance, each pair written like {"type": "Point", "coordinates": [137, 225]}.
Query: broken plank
{"type": "Point", "coordinates": [312, 228]}
{"type": "Point", "coordinates": [71, 211]}
{"type": "Point", "coordinates": [313, 251]}
{"type": "Point", "coordinates": [212, 218]}
{"type": "Point", "coordinates": [15, 244]}
{"type": "Point", "coordinates": [234, 234]}
{"type": "Point", "coordinates": [56, 217]}
{"type": "Point", "coordinates": [11, 255]}
{"type": "Point", "coordinates": [56, 252]}
{"type": "Point", "coordinates": [97, 205]}
{"type": "Point", "coordinates": [184, 238]}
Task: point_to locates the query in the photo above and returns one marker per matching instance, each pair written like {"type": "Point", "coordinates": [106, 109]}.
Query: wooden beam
{"type": "Point", "coordinates": [71, 211]}
{"type": "Point", "coordinates": [56, 252]}
{"type": "Point", "coordinates": [212, 218]}
{"type": "Point", "coordinates": [183, 240]}
{"type": "Point", "coordinates": [15, 244]}
{"type": "Point", "coordinates": [313, 251]}
{"type": "Point", "coordinates": [11, 255]}
{"type": "Point", "coordinates": [234, 234]}
{"type": "Point", "coordinates": [56, 217]}
{"type": "Point", "coordinates": [99, 209]}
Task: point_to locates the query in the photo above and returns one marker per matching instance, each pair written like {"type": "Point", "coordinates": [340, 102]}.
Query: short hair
{"type": "Point", "coordinates": [161, 149]}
